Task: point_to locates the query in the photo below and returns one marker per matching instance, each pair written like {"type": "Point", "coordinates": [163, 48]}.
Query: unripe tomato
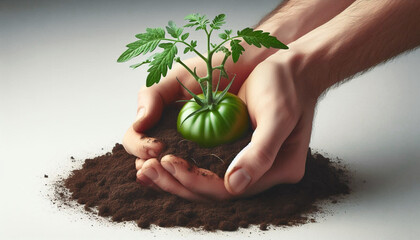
{"type": "Point", "coordinates": [226, 122]}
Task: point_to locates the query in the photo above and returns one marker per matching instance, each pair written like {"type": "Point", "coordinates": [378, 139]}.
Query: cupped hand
{"type": "Point", "coordinates": [281, 113]}
{"type": "Point", "coordinates": [152, 100]}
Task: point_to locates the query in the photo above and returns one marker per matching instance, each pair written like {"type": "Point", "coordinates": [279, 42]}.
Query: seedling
{"type": "Point", "coordinates": [213, 117]}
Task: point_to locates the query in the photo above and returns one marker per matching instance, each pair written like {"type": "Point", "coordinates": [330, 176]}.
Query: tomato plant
{"type": "Point", "coordinates": [213, 117]}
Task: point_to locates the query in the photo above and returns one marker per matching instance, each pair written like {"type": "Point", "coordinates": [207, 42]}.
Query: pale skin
{"type": "Point", "coordinates": [329, 42]}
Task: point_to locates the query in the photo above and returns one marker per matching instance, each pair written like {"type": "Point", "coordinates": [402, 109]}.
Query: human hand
{"type": "Point", "coordinates": [281, 109]}
{"type": "Point", "coordinates": [153, 99]}
{"type": "Point", "coordinates": [277, 153]}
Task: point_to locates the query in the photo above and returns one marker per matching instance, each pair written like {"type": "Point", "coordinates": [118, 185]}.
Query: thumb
{"type": "Point", "coordinates": [255, 159]}
{"type": "Point", "coordinates": [149, 110]}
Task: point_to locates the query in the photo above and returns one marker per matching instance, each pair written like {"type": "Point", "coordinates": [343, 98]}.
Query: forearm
{"type": "Point", "coordinates": [365, 34]}
{"type": "Point", "coordinates": [291, 20]}
{"type": "Point", "coordinates": [294, 18]}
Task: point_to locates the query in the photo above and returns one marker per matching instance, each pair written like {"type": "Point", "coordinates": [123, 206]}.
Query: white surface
{"type": "Point", "coordinates": [62, 94]}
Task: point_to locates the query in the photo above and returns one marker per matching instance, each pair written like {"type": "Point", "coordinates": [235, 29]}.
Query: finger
{"type": "Point", "coordinates": [288, 168]}
{"type": "Point", "coordinates": [197, 180]}
{"type": "Point", "coordinates": [153, 171]}
{"type": "Point", "coordinates": [141, 146]}
{"type": "Point", "coordinates": [151, 100]}
{"type": "Point", "coordinates": [289, 165]}
{"type": "Point", "coordinates": [257, 158]}
{"type": "Point", "coordinates": [139, 163]}
{"type": "Point", "coordinates": [147, 182]}
{"type": "Point", "coordinates": [149, 109]}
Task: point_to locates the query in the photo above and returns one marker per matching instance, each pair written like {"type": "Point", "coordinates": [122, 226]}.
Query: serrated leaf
{"type": "Point", "coordinates": [258, 38]}
{"type": "Point", "coordinates": [151, 33]}
{"type": "Point", "coordinates": [192, 17]}
{"type": "Point", "coordinates": [218, 21]}
{"type": "Point", "coordinates": [161, 63]}
{"type": "Point", "coordinates": [165, 45]}
{"type": "Point", "coordinates": [223, 36]}
{"type": "Point", "coordinates": [237, 49]}
{"type": "Point", "coordinates": [147, 43]}
{"type": "Point", "coordinates": [173, 30]}
{"type": "Point", "coordinates": [197, 19]}
{"type": "Point", "coordinates": [185, 36]}
{"type": "Point", "coordinates": [134, 66]}
{"type": "Point", "coordinates": [225, 50]}
{"type": "Point", "coordinates": [191, 24]}
{"type": "Point", "coordinates": [228, 32]}
{"type": "Point", "coordinates": [193, 43]}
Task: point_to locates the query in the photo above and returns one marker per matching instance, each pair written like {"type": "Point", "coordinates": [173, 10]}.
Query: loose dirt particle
{"type": "Point", "coordinates": [108, 182]}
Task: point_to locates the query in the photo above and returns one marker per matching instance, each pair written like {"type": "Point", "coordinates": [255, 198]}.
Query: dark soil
{"type": "Point", "coordinates": [107, 185]}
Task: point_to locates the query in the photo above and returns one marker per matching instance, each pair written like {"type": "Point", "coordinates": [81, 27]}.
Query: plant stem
{"type": "Point", "coordinates": [188, 69]}
{"type": "Point", "coordinates": [195, 51]}
{"type": "Point", "coordinates": [209, 73]}
{"type": "Point", "coordinates": [223, 42]}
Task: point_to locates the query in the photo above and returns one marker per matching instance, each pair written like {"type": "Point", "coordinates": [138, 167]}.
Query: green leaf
{"type": "Point", "coordinates": [193, 17]}
{"type": "Point", "coordinates": [224, 49]}
{"type": "Point", "coordinates": [147, 43]}
{"type": "Point", "coordinates": [191, 24]}
{"type": "Point", "coordinates": [161, 63]}
{"type": "Point", "coordinates": [200, 110]}
{"type": "Point", "coordinates": [218, 21]}
{"type": "Point", "coordinates": [218, 83]}
{"type": "Point", "coordinates": [165, 45]}
{"type": "Point", "coordinates": [193, 43]}
{"type": "Point", "coordinates": [187, 49]}
{"type": "Point", "coordinates": [196, 98]}
{"type": "Point", "coordinates": [173, 30]}
{"type": "Point", "coordinates": [258, 38]}
{"type": "Point", "coordinates": [223, 36]}
{"type": "Point", "coordinates": [197, 19]}
{"type": "Point", "coordinates": [237, 49]}
{"type": "Point", "coordinates": [223, 93]}
{"type": "Point", "coordinates": [185, 36]}
{"type": "Point", "coordinates": [228, 32]}
{"type": "Point", "coordinates": [134, 66]}
{"type": "Point", "coordinates": [184, 101]}
{"type": "Point", "coordinates": [151, 33]}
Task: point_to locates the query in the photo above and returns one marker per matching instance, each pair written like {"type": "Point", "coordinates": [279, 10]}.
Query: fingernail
{"type": "Point", "coordinates": [140, 114]}
{"type": "Point", "coordinates": [169, 167]}
{"type": "Point", "coordinates": [152, 153]}
{"type": "Point", "coordinates": [150, 173]}
{"type": "Point", "coordinates": [239, 180]}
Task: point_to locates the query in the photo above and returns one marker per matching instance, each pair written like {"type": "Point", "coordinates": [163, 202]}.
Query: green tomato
{"type": "Point", "coordinates": [226, 122]}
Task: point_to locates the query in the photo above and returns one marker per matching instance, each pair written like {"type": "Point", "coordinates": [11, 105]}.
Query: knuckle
{"type": "Point", "coordinates": [151, 163]}
{"type": "Point", "coordinates": [141, 151]}
{"type": "Point", "coordinates": [262, 159]}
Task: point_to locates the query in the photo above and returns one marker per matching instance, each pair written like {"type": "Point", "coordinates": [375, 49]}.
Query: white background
{"type": "Point", "coordinates": [62, 94]}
